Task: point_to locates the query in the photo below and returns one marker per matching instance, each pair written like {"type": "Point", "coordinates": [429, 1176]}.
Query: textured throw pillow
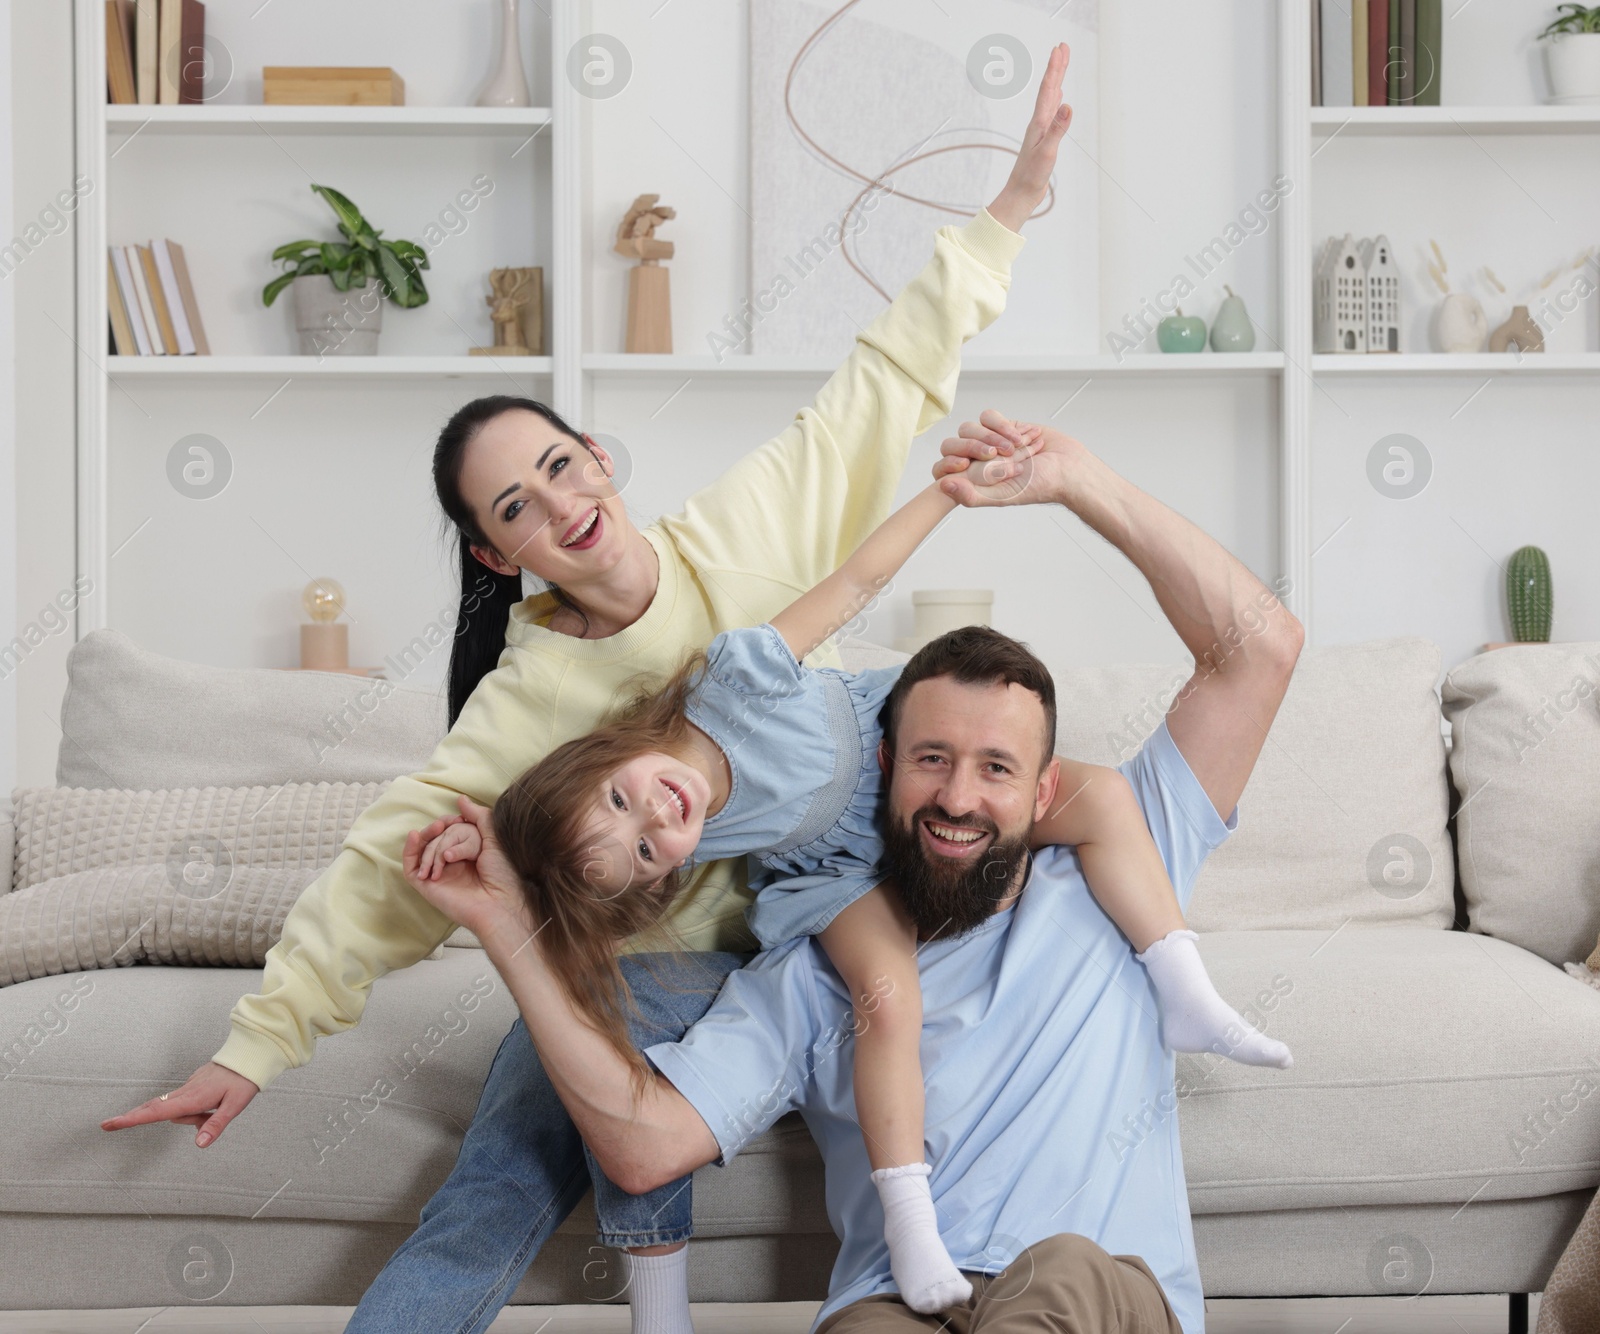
{"type": "Point", "coordinates": [1525, 757]}
{"type": "Point", "coordinates": [120, 915]}
{"type": "Point", "coordinates": [106, 877]}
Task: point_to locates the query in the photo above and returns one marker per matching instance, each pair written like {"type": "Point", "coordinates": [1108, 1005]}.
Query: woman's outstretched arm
{"type": "Point", "coordinates": [786, 515]}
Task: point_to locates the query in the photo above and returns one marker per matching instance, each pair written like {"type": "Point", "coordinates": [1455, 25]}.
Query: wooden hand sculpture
{"type": "Point", "coordinates": [649, 299]}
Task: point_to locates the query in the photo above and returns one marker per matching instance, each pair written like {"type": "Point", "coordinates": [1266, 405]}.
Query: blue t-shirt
{"type": "Point", "coordinates": [1050, 1099]}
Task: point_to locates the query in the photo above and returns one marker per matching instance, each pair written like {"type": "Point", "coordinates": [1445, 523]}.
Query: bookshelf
{"type": "Point", "coordinates": [557, 163]}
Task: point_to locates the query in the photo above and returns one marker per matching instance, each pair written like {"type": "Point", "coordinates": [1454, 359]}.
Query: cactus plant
{"type": "Point", "coordinates": [1528, 595]}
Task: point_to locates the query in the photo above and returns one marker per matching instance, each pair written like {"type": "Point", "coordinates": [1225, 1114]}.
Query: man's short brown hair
{"type": "Point", "coordinates": [974, 655]}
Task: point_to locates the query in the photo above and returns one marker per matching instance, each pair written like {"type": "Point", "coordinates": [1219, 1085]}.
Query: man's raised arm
{"type": "Point", "coordinates": [1243, 639]}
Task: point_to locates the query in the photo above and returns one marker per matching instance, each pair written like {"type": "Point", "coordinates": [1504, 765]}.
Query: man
{"type": "Point", "coordinates": [1040, 1034]}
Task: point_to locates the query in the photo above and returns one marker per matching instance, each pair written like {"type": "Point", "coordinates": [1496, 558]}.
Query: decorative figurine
{"type": "Point", "coordinates": [649, 297]}
{"type": "Point", "coordinates": [1231, 330]}
{"type": "Point", "coordinates": [516, 305]}
{"type": "Point", "coordinates": [1181, 333]}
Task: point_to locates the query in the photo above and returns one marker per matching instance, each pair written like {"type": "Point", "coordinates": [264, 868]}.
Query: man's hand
{"type": "Point", "coordinates": [1036, 159]}
{"type": "Point", "coordinates": [211, 1099]}
{"type": "Point", "coordinates": [481, 893]}
{"type": "Point", "coordinates": [1039, 469]}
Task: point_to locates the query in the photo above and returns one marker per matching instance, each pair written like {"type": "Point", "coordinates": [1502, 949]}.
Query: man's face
{"type": "Point", "coordinates": [965, 787]}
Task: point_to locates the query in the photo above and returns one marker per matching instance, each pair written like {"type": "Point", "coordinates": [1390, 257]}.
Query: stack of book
{"type": "Point", "coordinates": [151, 301]}
{"type": "Point", "coordinates": [155, 51]}
{"type": "Point", "coordinates": [1375, 53]}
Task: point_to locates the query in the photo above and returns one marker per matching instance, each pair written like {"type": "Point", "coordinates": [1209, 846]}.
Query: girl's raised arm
{"type": "Point", "coordinates": [846, 593]}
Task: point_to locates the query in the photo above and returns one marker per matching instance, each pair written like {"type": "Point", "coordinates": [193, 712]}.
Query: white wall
{"type": "Point", "coordinates": [334, 480]}
{"type": "Point", "coordinates": [1168, 184]}
{"type": "Point", "coordinates": [43, 304]}
{"type": "Point", "coordinates": [8, 427]}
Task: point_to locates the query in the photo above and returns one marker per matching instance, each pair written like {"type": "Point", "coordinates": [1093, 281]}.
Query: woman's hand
{"type": "Point", "coordinates": [211, 1098]}
{"type": "Point", "coordinates": [1038, 472]}
{"type": "Point", "coordinates": [481, 893]}
{"type": "Point", "coordinates": [1036, 159]}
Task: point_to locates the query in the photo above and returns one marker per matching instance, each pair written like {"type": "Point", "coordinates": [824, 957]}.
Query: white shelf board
{"type": "Point", "coordinates": [337, 368]}
{"type": "Point", "coordinates": [624, 365]}
{"type": "Point", "coordinates": [1441, 363]}
{"type": "Point", "coordinates": [1329, 121]}
{"type": "Point", "coordinates": [125, 121]}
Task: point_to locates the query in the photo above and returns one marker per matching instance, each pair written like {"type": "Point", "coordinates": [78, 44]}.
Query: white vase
{"type": "Point", "coordinates": [1574, 64]}
{"type": "Point", "coordinates": [937, 611]}
{"type": "Point", "coordinates": [1459, 324]}
{"type": "Point", "coordinates": [508, 86]}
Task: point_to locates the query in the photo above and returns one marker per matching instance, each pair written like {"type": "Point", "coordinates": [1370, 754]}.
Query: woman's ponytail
{"type": "Point", "coordinates": [486, 602]}
{"type": "Point", "coordinates": [486, 597]}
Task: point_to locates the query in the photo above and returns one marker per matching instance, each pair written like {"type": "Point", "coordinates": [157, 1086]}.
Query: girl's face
{"type": "Point", "coordinates": [648, 815]}
{"type": "Point", "coordinates": [544, 500]}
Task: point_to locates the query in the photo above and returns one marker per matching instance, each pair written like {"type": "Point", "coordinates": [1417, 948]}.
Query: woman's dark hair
{"type": "Point", "coordinates": [486, 597]}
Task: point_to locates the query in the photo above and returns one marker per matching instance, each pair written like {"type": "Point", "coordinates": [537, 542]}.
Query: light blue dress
{"type": "Point", "coordinates": [802, 745]}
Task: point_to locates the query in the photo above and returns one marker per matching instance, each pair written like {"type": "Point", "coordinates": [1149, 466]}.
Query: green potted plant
{"type": "Point", "coordinates": [1574, 55]}
{"type": "Point", "coordinates": [340, 286]}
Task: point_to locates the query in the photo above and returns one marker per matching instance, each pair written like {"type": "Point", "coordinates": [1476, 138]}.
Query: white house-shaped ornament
{"type": "Point", "coordinates": [1383, 295]}
{"type": "Point", "coordinates": [1340, 323]}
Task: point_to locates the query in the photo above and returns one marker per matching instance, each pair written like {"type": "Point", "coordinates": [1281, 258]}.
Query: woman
{"type": "Point", "coordinates": [527, 491]}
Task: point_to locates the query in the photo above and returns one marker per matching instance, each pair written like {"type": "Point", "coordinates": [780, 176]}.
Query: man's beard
{"type": "Point", "coordinates": [948, 898]}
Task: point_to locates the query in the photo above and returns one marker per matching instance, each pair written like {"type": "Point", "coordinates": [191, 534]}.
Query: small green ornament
{"type": "Point", "coordinates": [1181, 333]}
{"type": "Point", "coordinates": [1528, 595]}
{"type": "Point", "coordinates": [1231, 330]}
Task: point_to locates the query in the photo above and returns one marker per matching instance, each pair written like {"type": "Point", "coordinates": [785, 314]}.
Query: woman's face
{"type": "Point", "coordinates": [544, 500]}
{"type": "Point", "coordinates": [645, 820]}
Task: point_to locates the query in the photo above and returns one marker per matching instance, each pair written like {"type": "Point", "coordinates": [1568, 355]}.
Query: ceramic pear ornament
{"type": "Point", "coordinates": [1181, 333]}
{"type": "Point", "coordinates": [1232, 331]}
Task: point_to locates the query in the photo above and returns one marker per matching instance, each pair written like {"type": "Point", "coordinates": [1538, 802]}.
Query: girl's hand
{"type": "Point", "coordinates": [481, 893]}
{"type": "Point", "coordinates": [459, 842]}
{"type": "Point", "coordinates": [1037, 473]}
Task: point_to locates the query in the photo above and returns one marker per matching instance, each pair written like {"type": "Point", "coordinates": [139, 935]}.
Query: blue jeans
{"type": "Point", "coordinates": [523, 1167]}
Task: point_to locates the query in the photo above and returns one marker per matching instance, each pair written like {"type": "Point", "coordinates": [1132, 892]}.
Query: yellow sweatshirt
{"type": "Point", "coordinates": [774, 525]}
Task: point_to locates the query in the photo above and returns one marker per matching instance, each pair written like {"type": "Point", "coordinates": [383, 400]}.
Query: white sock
{"type": "Point", "coordinates": [923, 1270]}
{"type": "Point", "coordinates": [1193, 1016]}
{"type": "Point", "coordinates": [658, 1288]}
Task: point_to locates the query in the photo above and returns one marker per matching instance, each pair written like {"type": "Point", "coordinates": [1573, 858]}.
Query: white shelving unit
{"type": "Point", "coordinates": [105, 130]}
{"type": "Point", "coordinates": [569, 375]}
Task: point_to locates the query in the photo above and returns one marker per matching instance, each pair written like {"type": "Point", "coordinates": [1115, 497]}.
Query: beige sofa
{"type": "Point", "coordinates": [1435, 1133]}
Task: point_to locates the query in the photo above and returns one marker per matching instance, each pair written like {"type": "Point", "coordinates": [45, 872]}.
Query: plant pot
{"type": "Point", "coordinates": [1574, 63]}
{"type": "Point", "coordinates": [334, 323]}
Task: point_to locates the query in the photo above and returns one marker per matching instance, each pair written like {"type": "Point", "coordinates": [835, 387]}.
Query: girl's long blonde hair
{"type": "Point", "coordinates": [541, 821]}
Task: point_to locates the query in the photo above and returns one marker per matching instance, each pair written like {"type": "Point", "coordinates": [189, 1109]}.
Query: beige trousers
{"type": "Point", "coordinates": [1065, 1284]}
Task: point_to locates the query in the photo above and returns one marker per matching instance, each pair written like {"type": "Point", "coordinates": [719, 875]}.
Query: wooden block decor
{"type": "Point", "coordinates": [649, 309]}
{"type": "Point", "coordinates": [332, 86]}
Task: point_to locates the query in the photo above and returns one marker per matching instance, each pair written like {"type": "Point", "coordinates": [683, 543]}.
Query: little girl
{"type": "Point", "coordinates": [747, 751]}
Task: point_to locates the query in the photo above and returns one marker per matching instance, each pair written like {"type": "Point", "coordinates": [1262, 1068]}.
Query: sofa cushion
{"type": "Point", "coordinates": [134, 719]}
{"type": "Point", "coordinates": [1343, 819]}
{"type": "Point", "coordinates": [1430, 1066]}
{"type": "Point", "coordinates": [1525, 757]}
